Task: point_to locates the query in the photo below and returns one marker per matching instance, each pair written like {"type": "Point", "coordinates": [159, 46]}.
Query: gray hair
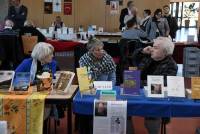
{"type": "Point", "coordinates": [41, 50]}
{"type": "Point", "coordinates": [93, 42]}
{"type": "Point", "coordinates": [9, 23]}
{"type": "Point", "coordinates": [28, 23]}
{"type": "Point", "coordinates": [166, 44]}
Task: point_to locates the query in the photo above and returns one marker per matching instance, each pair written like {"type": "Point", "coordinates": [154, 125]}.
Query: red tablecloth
{"type": "Point", "coordinates": [60, 46]}
{"type": "Point", "coordinates": [179, 50]}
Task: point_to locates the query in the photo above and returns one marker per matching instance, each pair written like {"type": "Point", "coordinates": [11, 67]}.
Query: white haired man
{"type": "Point", "coordinates": [156, 60]}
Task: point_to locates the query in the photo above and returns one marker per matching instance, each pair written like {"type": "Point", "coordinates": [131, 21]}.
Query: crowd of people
{"type": "Point", "coordinates": [151, 60]}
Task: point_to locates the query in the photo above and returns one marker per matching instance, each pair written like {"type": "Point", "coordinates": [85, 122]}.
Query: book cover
{"type": "Point", "coordinates": [21, 81]}
{"type": "Point", "coordinates": [83, 79]}
{"type": "Point", "coordinates": [6, 78]}
{"type": "Point", "coordinates": [155, 86]}
{"type": "Point", "coordinates": [64, 81]}
{"type": "Point", "coordinates": [195, 85]}
{"type": "Point", "coordinates": [131, 82]}
{"type": "Point", "coordinates": [175, 86]}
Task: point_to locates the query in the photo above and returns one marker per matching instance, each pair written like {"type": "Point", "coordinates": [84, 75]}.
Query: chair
{"type": "Point", "coordinates": [28, 43]}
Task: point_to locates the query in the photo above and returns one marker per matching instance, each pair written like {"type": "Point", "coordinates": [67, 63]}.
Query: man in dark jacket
{"type": "Point", "coordinates": [17, 13]}
{"type": "Point", "coordinates": [156, 60]}
{"type": "Point", "coordinates": [124, 12]}
{"type": "Point", "coordinates": [171, 21]}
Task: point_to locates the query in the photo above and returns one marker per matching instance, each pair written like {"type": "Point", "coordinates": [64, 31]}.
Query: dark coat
{"type": "Point", "coordinates": [17, 18]}
{"type": "Point", "coordinates": [165, 67]}
{"type": "Point", "coordinates": [124, 12]}
{"type": "Point", "coordinates": [173, 25]}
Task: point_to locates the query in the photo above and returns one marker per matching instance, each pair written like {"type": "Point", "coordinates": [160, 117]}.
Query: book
{"type": "Point", "coordinates": [64, 81]}
{"type": "Point", "coordinates": [175, 86]}
{"type": "Point", "coordinates": [6, 79]}
{"type": "Point", "coordinates": [21, 81]}
{"type": "Point", "coordinates": [44, 82]}
{"type": "Point", "coordinates": [155, 86]}
{"type": "Point", "coordinates": [83, 79]}
{"type": "Point", "coordinates": [195, 85]}
{"type": "Point", "coordinates": [131, 82]}
{"type": "Point", "coordinates": [108, 95]}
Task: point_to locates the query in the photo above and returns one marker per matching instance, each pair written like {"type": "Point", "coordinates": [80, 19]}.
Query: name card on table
{"type": "Point", "coordinates": [103, 85]}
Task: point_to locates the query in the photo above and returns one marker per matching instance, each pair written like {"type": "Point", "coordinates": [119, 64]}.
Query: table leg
{"type": "Point", "coordinates": [69, 118]}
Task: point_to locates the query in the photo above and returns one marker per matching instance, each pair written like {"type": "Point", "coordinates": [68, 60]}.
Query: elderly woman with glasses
{"type": "Point", "coordinates": [102, 66]}
{"type": "Point", "coordinates": [157, 26]}
{"type": "Point", "coordinates": [41, 61]}
{"type": "Point", "coordinates": [156, 60]}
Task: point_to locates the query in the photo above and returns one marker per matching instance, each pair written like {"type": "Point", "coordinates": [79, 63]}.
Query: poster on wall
{"type": "Point", "coordinates": [67, 8]}
{"type": "Point", "coordinates": [48, 7]}
{"type": "Point", "coordinates": [57, 5]}
{"type": "Point", "coordinates": [120, 2]}
{"type": "Point", "coordinates": [114, 7]}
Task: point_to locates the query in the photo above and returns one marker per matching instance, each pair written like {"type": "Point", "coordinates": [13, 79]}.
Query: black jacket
{"type": "Point", "coordinates": [17, 18]}
{"type": "Point", "coordinates": [124, 12]}
{"type": "Point", "coordinates": [33, 32]}
{"type": "Point", "coordinates": [173, 25]}
{"type": "Point", "coordinates": [165, 67]}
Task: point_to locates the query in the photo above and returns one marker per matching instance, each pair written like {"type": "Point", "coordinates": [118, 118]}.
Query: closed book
{"type": "Point", "coordinates": [131, 82]}
{"type": "Point", "coordinates": [195, 85]}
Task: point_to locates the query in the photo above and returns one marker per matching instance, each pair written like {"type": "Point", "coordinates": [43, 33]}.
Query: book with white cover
{"type": "Point", "coordinates": [175, 86]}
{"type": "Point", "coordinates": [51, 30]}
{"type": "Point", "coordinates": [155, 86]}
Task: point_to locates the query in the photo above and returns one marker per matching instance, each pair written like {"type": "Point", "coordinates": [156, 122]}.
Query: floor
{"type": "Point", "coordinates": [176, 126]}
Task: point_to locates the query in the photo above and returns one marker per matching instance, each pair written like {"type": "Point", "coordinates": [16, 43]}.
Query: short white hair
{"type": "Point", "coordinates": [9, 23]}
{"type": "Point", "coordinates": [41, 50]}
{"type": "Point", "coordinates": [166, 44]}
{"type": "Point", "coordinates": [28, 23]}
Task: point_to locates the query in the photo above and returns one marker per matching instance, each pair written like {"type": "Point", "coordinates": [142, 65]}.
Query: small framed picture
{"type": "Point", "coordinates": [155, 86]}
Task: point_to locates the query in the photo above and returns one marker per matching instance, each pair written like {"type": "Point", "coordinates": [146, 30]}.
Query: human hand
{"type": "Point", "coordinates": [147, 50]}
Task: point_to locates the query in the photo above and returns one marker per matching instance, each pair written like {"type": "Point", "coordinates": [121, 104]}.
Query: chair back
{"type": "Point", "coordinates": [28, 43]}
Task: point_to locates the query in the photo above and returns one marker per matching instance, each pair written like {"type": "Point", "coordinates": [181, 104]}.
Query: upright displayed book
{"type": "Point", "coordinates": [131, 82]}
{"type": "Point", "coordinates": [64, 81]}
{"type": "Point", "coordinates": [45, 82]}
{"type": "Point", "coordinates": [155, 86]}
{"type": "Point", "coordinates": [21, 82]}
{"type": "Point", "coordinates": [195, 85]}
{"type": "Point", "coordinates": [83, 80]}
{"type": "Point", "coordinates": [6, 79]}
{"type": "Point", "coordinates": [175, 86]}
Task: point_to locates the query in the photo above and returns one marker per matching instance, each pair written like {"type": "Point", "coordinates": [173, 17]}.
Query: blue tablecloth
{"type": "Point", "coordinates": [143, 106]}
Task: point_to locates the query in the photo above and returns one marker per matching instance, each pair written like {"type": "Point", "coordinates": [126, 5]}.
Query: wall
{"type": "Point", "coordinates": [87, 12]}
{"type": "Point", "coordinates": [4, 9]}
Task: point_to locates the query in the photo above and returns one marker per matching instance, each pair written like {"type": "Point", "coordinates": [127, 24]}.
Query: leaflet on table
{"type": "Point", "coordinates": [109, 117]}
{"type": "Point", "coordinates": [195, 85]}
{"type": "Point", "coordinates": [6, 79]}
{"type": "Point", "coordinates": [103, 85]}
{"type": "Point", "coordinates": [155, 86]}
{"type": "Point", "coordinates": [131, 82]}
{"type": "Point", "coordinates": [108, 95]}
{"type": "Point", "coordinates": [175, 86]}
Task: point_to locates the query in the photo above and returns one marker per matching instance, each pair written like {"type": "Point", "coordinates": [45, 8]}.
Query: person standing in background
{"type": "Point", "coordinates": [171, 21]}
{"type": "Point", "coordinates": [145, 20]}
{"type": "Point", "coordinates": [124, 12]}
{"type": "Point", "coordinates": [58, 23]}
{"type": "Point", "coordinates": [17, 13]}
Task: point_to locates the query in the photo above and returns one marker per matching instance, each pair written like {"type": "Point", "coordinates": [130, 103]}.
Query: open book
{"type": "Point", "coordinates": [64, 82]}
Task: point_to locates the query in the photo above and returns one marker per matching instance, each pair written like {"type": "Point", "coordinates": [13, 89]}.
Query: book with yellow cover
{"type": "Point", "coordinates": [195, 85]}
{"type": "Point", "coordinates": [83, 79]}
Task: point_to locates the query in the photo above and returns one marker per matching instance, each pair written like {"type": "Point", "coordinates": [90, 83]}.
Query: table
{"type": "Point", "coordinates": [179, 48]}
{"type": "Point", "coordinates": [66, 100]}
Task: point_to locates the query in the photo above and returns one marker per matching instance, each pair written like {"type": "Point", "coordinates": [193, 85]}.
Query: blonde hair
{"type": "Point", "coordinates": [41, 50]}
{"type": "Point", "coordinates": [166, 44]}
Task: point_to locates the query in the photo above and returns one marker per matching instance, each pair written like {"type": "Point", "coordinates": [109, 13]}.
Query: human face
{"type": "Point", "coordinates": [47, 59]}
{"type": "Point", "coordinates": [15, 2]}
{"type": "Point", "coordinates": [157, 52]}
{"type": "Point", "coordinates": [98, 52]}
{"type": "Point", "coordinates": [58, 19]}
{"type": "Point", "coordinates": [166, 10]}
{"type": "Point", "coordinates": [159, 15]}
